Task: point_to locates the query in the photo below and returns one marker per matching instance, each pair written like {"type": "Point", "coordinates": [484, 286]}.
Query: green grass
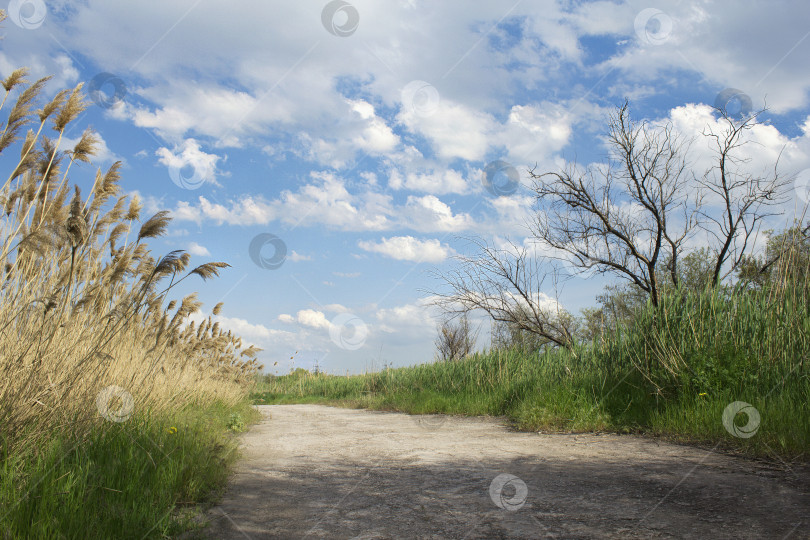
{"type": "Point", "coordinates": [143, 478]}
{"type": "Point", "coordinates": [671, 375]}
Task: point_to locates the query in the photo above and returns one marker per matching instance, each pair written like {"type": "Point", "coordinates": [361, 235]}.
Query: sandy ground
{"type": "Point", "coordinates": [311, 471]}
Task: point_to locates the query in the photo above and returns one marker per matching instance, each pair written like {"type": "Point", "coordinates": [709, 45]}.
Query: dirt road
{"type": "Point", "coordinates": [319, 472]}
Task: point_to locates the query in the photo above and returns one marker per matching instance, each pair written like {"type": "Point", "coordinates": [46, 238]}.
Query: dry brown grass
{"type": "Point", "coordinates": [83, 304]}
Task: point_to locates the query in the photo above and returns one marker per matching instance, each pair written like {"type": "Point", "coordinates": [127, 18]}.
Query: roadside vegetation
{"type": "Point", "coordinates": [115, 408]}
{"type": "Point", "coordinates": [704, 344]}
{"type": "Point", "coordinates": [671, 370]}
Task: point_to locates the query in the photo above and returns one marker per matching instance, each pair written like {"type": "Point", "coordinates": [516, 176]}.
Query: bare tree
{"type": "Point", "coordinates": [455, 340]}
{"type": "Point", "coordinates": [745, 198]}
{"type": "Point", "coordinates": [506, 284]}
{"type": "Point", "coordinates": [633, 216]}
{"type": "Point", "coordinates": [625, 216]}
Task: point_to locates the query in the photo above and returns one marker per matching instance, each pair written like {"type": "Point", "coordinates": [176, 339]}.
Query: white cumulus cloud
{"type": "Point", "coordinates": [408, 248]}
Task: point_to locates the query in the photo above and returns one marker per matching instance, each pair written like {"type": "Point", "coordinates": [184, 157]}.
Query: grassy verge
{"type": "Point", "coordinates": [89, 333]}
{"type": "Point", "coordinates": [143, 478]}
{"type": "Point", "coordinates": [534, 396]}
{"type": "Point", "coordinates": [674, 374]}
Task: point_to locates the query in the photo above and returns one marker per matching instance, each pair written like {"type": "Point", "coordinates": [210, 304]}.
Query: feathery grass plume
{"type": "Point", "coordinates": [105, 186]}
{"type": "Point", "coordinates": [17, 77]}
{"type": "Point", "coordinates": [12, 198]}
{"type": "Point", "coordinates": [251, 351]}
{"type": "Point", "coordinates": [121, 266]}
{"type": "Point", "coordinates": [76, 226]}
{"type": "Point", "coordinates": [134, 211]}
{"type": "Point", "coordinates": [217, 308]}
{"type": "Point", "coordinates": [155, 226]}
{"type": "Point", "coordinates": [28, 155]}
{"type": "Point", "coordinates": [115, 234]}
{"type": "Point", "coordinates": [76, 318]}
{"type": "Point", "coordinates": [29, 187]}
{"type": "Point", "coordinates": [185, 258]}
{"type": "Point", "coordinates": [112, 216]}
{"type": "Point", "coordinates": [172, 263]}
{"type": "Point", "coordinates": [19, 115]}
{"type": "Point", "coordinates": [48, 163]}
{"type": "Point", "coordinates": [58, 210]}
{"type": "Point", "coordinates": [72, 107]}
{"type": "Point", "coordinates": [141, 253]}
{"type": "Point", "coordinates": [39, 242]}
{"type": "Point", "coordinates": [86, 147]}
{"type": "Point", "coordinates": [211, 269]}
{"type": "Point", "coordinates": [145, 268]}
{"type": "Point", "coordinates": [189, 305]}
{"type": "Point", "coordinates": [52, 106]}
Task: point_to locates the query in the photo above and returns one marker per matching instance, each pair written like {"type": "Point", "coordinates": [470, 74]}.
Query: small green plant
{"type": "Point", "coordinates": [236, 423]}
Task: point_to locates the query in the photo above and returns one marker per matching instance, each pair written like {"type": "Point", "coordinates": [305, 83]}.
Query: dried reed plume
{"type": "Point", "coordinates": [83, 304]}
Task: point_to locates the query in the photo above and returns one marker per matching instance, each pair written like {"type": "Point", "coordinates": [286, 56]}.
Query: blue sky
{"type": "Point", "coordinates": [352, 137]}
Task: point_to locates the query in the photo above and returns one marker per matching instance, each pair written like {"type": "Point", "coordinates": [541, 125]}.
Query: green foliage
{"type": "Point", "coordinates": [669, 370]}
{"type": "Point", "coordinates": [786, 258]}
{"type": "Point", "coordinates": [236, 423]}
{"type": "Point", "coordinates": [134, 479]}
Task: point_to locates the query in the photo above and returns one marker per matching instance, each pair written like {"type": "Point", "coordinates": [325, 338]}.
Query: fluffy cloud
{"type": "Point", "coordinates": [196, 249]}
{"type": "Point", "coordinates": [753, 47]}
{"type": "Point", "coordinates": [435, 182]}
{"type": "Point", "coordinates": [327, 201]}
{"type": "Point", "coordinates": [413, 319]}
{"type": "Point", "coordinates": [296, 257]}
{"type": "Point", "coordinates": [312, 318]}
{"type": "Point", "coordinates": [307, 317]}
{"type": "Point", "coordinates": [429, 214]}
{"type": "Point", "coordinates": [455, 130]}
{"type": "Point", "coordinates": [408, 248]}
{"type": "Point", "coordinates": [376, 136]}
{"type": "Point", "coordinates": [475, 55]}
{"type": "Point", "coordinates": [189, 166]}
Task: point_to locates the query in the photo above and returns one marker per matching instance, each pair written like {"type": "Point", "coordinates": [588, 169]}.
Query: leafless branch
{"type": "Point", "coordinates": [507, 285]}
{"type": "Point", "coordinates": [622, 217]}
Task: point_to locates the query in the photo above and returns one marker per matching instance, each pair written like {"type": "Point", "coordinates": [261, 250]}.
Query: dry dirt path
{"type": "Point", "coordinates": [311, 471]}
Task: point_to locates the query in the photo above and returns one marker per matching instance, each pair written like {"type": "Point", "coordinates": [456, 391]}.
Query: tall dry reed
{"type": "Point", "coordinates": [83, 303]}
